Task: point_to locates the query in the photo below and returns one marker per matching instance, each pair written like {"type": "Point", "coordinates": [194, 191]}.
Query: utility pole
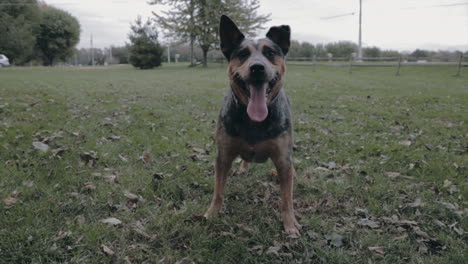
{"type": "Point", "coordinates": [92, 51]}
{"type": "Point", "coordinates": [168, 52]}
{"type": "Point", "coordinates": [110, 53]}
{"type": "Point", "coordinates": [360, 31]}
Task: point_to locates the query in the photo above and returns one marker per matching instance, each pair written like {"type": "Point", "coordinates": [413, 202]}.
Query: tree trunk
{"type": "Point", "coordinates": [191, 51]}
{"type": "Point", "coordinates": [205, 57]}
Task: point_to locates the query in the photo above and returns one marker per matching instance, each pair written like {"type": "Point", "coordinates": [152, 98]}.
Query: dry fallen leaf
{"type": "Point", "coordinates": [40, 146]}
{"type": "Point", "coordinates": [146, 157]}
{"type": "Point", "coordinates": [379, 250]}
{"type": "Point", "coordinates": [130, 196]}
{"type": "Point", "coordinates": [369, 223]}
{"type": "Point", "coordinates": [11, 200]}
{"type": "Point", "coordinates": [416, 203]}
{"type": "Point", "coordinates": [107, 251]}
{"type": "Point", "coordinates": [405, 143]}
{"type": "Point", "coordinates": [123, 158]}
{"type": "Point", "coordinates": [274, 173]}
{"type": "Point", "coordinates": [111, 221]}
{"type": "Point", "coordinates": [110, 178]}
{"type": "Point", "coordinates": [185, 261]}
{"type": "Point", "coordinates": [61, 235]}
{"type": "Point", "coordinates": [273, 250]}
{"type": "Point", "coordinates": [392, 174]}
{"type": "Point", "coordinates": [400, 237]}
{"type": "Point", "coordinates": [89, 186]}
{"type": "Point", "coordinates": [335, 240]}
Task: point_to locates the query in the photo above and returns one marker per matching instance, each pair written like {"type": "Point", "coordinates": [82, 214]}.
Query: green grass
{"type": "Point", "coordinates": [360, 121]}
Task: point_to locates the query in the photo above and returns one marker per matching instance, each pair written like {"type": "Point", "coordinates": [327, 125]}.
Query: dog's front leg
{"type": "Point", "coordinates": [286, 174]}
{"type": "Point", "coordinates": [222, 166]}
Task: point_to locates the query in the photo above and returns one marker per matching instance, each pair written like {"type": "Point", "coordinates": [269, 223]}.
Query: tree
{"type": "Point", "coordinates": [18, 29]}
{"type": "Point", "coordinates": [145, 51]}
{"type": "Point", "coordinates": [389, 53]}
{"type": "Point", "coordinates": [419, 53]}
{"type": "Point", "coordinates": [59, 32]}
{"type": "Point", "coordinates": [120, 54]}
{"type": "Point", "coordinates": [371, 52]}
{"type": "Point", "coordinates": [198, 20]}
{"type": "Point", "coordinates": [341, 48]}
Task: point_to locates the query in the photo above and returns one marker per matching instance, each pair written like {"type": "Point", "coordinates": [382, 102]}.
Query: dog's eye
{"type": "Point", "coordinates": [243, 54]}
{"type": "Point", "coordinates": [269, 53]}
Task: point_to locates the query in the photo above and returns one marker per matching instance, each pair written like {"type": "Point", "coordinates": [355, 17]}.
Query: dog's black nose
{"type": "Point", "coordinates": [257, 69]}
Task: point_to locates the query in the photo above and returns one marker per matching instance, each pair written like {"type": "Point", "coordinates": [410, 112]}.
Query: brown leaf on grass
{"type": "Point", "coordinates": [114, 138]}
{"type": "Point", "coordinates": [199, 150]}
{"type": "Point", "coordinates": [273, 250]}
{"type": "Point", "coordinates": [80, 220]}
{"type": "Point", "coordinates": [400, 222]}
{"type": "Point", "coordinates": [89, 157]}
{"type": "Point", "coordinates": [313, 235]}
{"type": "Point", "coordinates": [11, 200]}
{"type": "Point", "coordinates": [89, 186]}
{"type": "Point", "coordinates": [42, 147]}
{"type": "Point", "coordinates": [61, 235]}
{"type": "Point", "coordinates": [123, 158]}
{"type": "Point", "coordinates": [106, 250]}
{"type": "Point", "coordinates": [446, 123]}
{"type": "Point", "coordinates": [146, 157]}
{"type": "Point", "coordinates": [378, 250]}
{"type": "Point", "coordinates": [274, 172]}
{"type": "Point", "coordinates": [257, 249]}
{"type": "Point", "coordinates": [405, 143]}
{"type": "Point", "coordinates": [111, 178]}
{"type": "Point", "coordinates": [138, 227]}
{"type": "Point", "coordinates": [392, 174]}
{"type": "Point", "coordinates": [405, 235]}
{"type": "Point", "coordinates": [417, 203]}
{"type": "Point", "coordinates": [335, 240]}
{"type": "Point", "coordinates": [28, 183]}
{"type": "Point", "coordinates": [369, 223]}
{"type": "Point", "coordinates": [185, 260]}
{"type": "Point", "coordinates": [57, 152]}
{"type": "Point", "coordinates": [130, 196]}
{"type": "Point", "coordinates": [420, 233]}
{"type": "Point", "coordinates": [111, 221]}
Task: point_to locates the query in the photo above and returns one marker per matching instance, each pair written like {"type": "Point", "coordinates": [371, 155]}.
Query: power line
{"type": "Point", "coordinates": [432, 6]}
{"type": "Point", "coordinates": [342, 15]}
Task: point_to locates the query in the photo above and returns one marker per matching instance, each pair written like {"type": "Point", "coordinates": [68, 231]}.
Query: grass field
{"type": "Point", "coordinates": [115, 165]}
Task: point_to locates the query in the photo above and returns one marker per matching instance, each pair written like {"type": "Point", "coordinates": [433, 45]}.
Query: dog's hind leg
{"type": "Point", "coordinates": [244, 167]}
{"type": "Point", "coordinates": [223, 164]}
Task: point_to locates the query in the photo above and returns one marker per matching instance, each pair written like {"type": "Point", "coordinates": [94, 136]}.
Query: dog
{"type": "Point", "coordinates": [255, 121]}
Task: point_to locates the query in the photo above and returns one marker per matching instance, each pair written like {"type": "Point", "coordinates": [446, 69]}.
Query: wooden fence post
{"type": "Point", "coordinates": [399, 66]}
{"type": "Point", "coordinates": [459, 66]}
{"type": "Point", "coordinates": [313, 63]}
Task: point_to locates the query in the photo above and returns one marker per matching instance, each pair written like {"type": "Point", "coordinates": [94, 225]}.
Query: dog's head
{"type": "Point", "coordinates": [256, 67]}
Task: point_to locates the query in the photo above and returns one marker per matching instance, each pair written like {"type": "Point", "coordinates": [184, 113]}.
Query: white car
{"type": "Point", "coordinates": [4, 61]}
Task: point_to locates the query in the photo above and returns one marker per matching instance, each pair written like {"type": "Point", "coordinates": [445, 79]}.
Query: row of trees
{"type": "Point", "coordinates": [345, 49]}
{"type": "Point", "coordinates": [33, 31]}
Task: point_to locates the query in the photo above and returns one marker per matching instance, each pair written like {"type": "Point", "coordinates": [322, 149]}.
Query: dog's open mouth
{"type": "Point", "coordinates": [258, 93]}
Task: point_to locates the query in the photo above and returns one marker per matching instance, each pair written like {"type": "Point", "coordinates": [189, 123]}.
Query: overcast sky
{"type": "Point", "coordinates": [389, 24]}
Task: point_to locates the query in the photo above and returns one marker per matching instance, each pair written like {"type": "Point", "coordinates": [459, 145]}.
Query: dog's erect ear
{"type": "Point", "coordinates": [230, 36]}
{"type": "Point", "coordinates": [281, 36]}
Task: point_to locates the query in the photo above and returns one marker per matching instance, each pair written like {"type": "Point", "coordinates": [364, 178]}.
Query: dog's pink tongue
{"type": "Point", "coordinates": [257, 107]}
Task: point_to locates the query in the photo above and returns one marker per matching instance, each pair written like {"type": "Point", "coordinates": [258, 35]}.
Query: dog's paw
{"type": "Point", "coordinates": [211, 213]}
{"type": "Point", "coordinates": [292, 232]}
